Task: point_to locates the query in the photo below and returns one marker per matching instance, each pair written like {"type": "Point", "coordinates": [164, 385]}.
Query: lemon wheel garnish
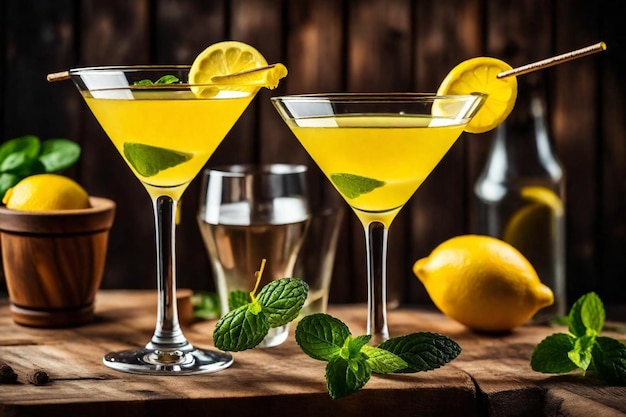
{"type": "Point", "coordinates": [479, 75]}
{"type": "Point", "coordinates": [232, 65]}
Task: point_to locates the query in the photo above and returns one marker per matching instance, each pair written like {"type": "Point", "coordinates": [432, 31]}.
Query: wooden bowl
{"type": "Point", "coordinates": [54, 262]}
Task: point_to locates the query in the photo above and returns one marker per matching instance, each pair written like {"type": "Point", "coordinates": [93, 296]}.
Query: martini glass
{"type": "Point", "coordinates": [377, 149]}
{"type": "Point", "coordinates": [165, 133]}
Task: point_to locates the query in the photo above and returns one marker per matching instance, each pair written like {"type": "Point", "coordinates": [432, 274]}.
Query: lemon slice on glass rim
{"type": "Point", "coordinates": [479, 75]}
{"type": "Point", "coordinates": [233, 66]}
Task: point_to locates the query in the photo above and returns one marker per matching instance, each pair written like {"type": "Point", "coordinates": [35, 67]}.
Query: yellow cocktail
{"type": "Point", "coordinates": [377, 149]}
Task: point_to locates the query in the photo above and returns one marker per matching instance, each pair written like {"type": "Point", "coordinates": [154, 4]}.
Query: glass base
{"type": "Point", "coordinates": [184, 361]}
{"type": "Point", "coordinates": [275, 337]}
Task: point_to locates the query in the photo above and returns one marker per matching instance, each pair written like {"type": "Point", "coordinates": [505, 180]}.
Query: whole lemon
{"type": "Point", "coordinates": [482, 282]}
{"type": "Point", "coordinates": [46, 192]}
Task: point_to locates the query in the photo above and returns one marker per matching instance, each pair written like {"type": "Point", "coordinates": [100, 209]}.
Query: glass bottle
{"type": "Point", "coordinates": [520, 196]}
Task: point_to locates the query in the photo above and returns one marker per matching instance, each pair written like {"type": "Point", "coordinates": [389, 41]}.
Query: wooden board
{"type": "Point", "coordinates": [492, 375]}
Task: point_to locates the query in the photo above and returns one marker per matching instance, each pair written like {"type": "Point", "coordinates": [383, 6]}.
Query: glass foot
{"type": "Point", "coordinates": [184, 361]}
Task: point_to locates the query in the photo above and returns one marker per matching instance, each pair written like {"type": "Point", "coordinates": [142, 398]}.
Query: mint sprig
{"type": "Point", "coordinates": [278, 303]}
{"type": "Point", "coordinates": [582, 347]}
{"type": "Point", "coordinates": [166, 79]}
{"type": "Point", "coordinates": [353, 186]}
{"type": "Point", "coordinates": [351, 361]}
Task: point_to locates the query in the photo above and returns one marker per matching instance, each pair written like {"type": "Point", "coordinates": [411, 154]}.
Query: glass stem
{"type": "Point", "coordinates": [167, 334]}
{"type": "Point", "coordinates": [376, 243]}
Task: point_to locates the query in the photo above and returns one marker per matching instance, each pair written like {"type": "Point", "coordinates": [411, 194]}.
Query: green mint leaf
{"type": "Point", "coordinates": [143, 82]}
{"type": "Point", "coordinates": [353, 345]}
{"type": "Point", "coordinates": [167, 79]}
{"type": "Point", "coordinates": [58, 154]}
{"type": "Point", "coordinates": [423, 351]}
{"type": "Point", "coordinates": [28, 144]}
{"type": "Point", "coordinates": [238, 298]}
{"type": "Point", "coordinates": [150, 160]}
{"type": "Point", "coordinates": [353, 186]}
{"type": "Point", "coordinates": [346, 376]}
{"type": "Point", "coordinates": [581, 354]}
{"type": "Point", "coordinates": [206, 305]}
{"type": "Point", "coordinates": [382, 361]}
{"type": "Point", "coordinates": [609, 360]}
{"type": "Point", "coordinates": [321, 336]}
{"type": "Point", "coordinates": [586, 313]}
{"type": "Point", "coordinates": [282, 300]}
{"type": "Point", "coordinates": [551, 355]}
{"type": "Point", "coordinates": [241, 329]}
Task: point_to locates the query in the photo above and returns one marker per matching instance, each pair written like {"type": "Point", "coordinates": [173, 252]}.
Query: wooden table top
{"type": "Point", "coordinates": [491, 377]}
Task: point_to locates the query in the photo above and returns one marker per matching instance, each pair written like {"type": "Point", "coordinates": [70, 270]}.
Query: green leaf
{"type": "Point", "coordinates": [58, 154]}
{"type": "Point", "coordinates": [354, 345]}
{"type": "Point", "coordinates": [238, 298]}
{"type": "Point", "coordinates": [609, 360]}
{"type": "Point", "coordinates": [150, 160]}
{"type": "Point", "coordinates": [167, 79]}
{"type": "Point", "coordinates": [241, 329]}
{"type": "Point", "coordinates": [353, 186]}
{"type": "Point", "coordinates": [321, 336]}
{"type": "Point", "coordinates": [283, 299]}
{"type": "Point", "coordinates": [7, 180]}
{"type": "Point", "coordinates": [382, 361]}
{"type": "Point", "coordinates": [551, 355]}
{"type": "Point", "coordinates": [28, 144]}
{"type": "Point", "coordinates": [586, 313]}
{"type": "Point", "coordinates": [346, 376]}
{"type": "Point", "coordinates": [423, 351]}
{"type": "Point", "coordinates": [22, 164]}
{"type": "Point", "coordinates": [581, 354]}
{"type": "Point", "coordinates": [143, 82]}
{"type": "Point", "coordinates": [206, 305]}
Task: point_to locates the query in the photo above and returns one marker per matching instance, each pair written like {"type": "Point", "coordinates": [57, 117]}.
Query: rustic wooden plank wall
{"type": "Point", "coordinates": [349, 45]}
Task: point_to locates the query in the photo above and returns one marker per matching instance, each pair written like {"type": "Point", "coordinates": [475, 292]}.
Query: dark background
{"type": "Point", "coordinates": [332, 45]}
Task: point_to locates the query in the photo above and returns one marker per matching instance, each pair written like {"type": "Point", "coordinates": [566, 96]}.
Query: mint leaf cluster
{"type": "Point", "coordinates": [351, 361]}
{"type": "Point", "coordinates": [244, 327]}
{"type": "Point", "coordinates": [166, 79]}
{"type": "Point", "coordinates": [28, 155]}
{"type": "Point", "coordinates": [583, 347]}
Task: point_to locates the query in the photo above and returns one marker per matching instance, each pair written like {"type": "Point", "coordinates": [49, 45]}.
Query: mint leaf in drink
{"type": "Point", "coordinates": [58, 154]}
{"type": "Point", "coordinates": [282, 300]}
{"type": "Point", "coordinates": [583, 348]}
{"type": "Point", "coordinates": [166, 79]}
{"type": "Point", "coordinates": [586, 314]}
{"type": "Point", "coordinates": [346, 376]}
{"type": "Point", "coordinates": [241, 329]}
{"type": "Point", "coordinates": [353, 186]}
{"type": "Point", "coordinates": [609, 360]}
{"type": "Point", "coordinates": [150, 160]}
{"type": "Point", "coordinates": [321, 336]}
{"type": "Point", "coordinates": [551, 355]}
{"type": "Point", "coordinates": [238, 298]}
{"type": "Point", "coordinates": [422, 351]}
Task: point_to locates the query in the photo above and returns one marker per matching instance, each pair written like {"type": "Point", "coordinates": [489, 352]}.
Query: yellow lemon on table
{"type": "Point", "coordinates": [46, 192]}
{"type": "Point", "coordinates": [479, 75]}
{"type": "Point", "coordinates": [482, 282]}
{"type": "Point", "coordinates": [234, 66]}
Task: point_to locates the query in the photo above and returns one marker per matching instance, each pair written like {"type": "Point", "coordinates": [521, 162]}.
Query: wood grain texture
{"type": "Point", "coordinates": [490, 377]}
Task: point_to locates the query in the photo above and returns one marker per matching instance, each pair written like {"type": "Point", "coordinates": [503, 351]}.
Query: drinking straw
{"type": "Point", "coordinates": [545, 63]}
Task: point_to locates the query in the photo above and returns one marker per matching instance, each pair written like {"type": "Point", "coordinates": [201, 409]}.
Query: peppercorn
{"type": "Point", "coordinates": [7, 374]}
{"type": "Point", "coordinates": [38, 377]}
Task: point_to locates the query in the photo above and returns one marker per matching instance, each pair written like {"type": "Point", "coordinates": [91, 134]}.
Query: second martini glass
{"type": "Point", "coordinates": [165, 133]}
{"type": "Point", "coordinates": [377, 149]}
